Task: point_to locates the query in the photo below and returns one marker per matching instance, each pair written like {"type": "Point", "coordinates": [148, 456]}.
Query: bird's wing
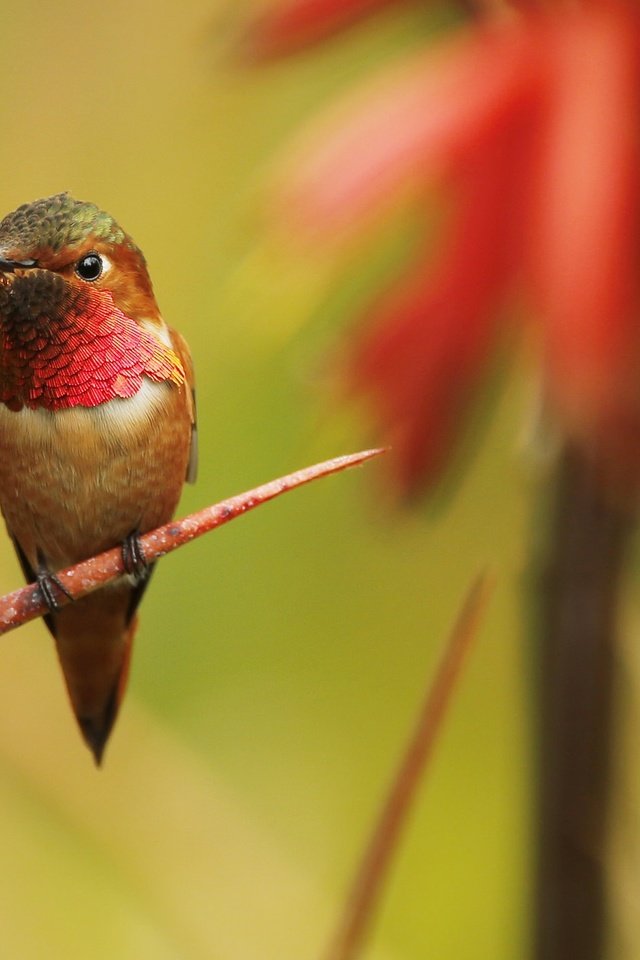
{"type": "Point", "coordinates": [181, 348]}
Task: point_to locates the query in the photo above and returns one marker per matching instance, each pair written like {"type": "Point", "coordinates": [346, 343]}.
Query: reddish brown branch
{"type": "Point", "coordinates": [27, 603]}
{"type": "Point", "coordinates": [383, 843]}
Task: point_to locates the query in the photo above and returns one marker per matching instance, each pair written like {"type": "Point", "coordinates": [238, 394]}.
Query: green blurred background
{"type": "Point", "coordinates": [281, 660]}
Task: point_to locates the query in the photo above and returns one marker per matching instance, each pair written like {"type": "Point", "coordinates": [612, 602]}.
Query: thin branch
{"type": "Point", "coordinates": [28, 603]}
{"type": "Point", "coordinates": [374, 867]}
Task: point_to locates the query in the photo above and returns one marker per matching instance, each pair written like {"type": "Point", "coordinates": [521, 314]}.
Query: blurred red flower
{"type": "Point", "coordinates": [292, 24]}
{"type": "Point", "coordinates": [533, 125]}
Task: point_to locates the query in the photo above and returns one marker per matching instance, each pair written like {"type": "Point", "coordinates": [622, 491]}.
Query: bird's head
{"type": "Point", "coordinates": [79, 323]}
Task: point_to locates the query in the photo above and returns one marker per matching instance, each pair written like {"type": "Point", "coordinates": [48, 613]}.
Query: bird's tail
{"type": "Point", "coordinates": [94, 638]}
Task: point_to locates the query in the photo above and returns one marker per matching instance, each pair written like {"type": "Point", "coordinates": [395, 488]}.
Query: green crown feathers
{"type": "Point", "coordinates": [57, 222]}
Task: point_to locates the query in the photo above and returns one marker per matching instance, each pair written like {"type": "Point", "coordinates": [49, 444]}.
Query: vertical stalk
{"type": "Point", "coordinates": [579, 587]}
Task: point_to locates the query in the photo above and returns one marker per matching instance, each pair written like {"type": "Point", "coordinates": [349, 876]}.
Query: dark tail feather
{"type": "Point", "coordinates": [94, 639]}
{"type": "Point", "coordinates": [96, 730]}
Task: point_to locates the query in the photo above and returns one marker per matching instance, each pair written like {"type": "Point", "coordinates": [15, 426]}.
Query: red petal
{"type": "Point", "coordinates": [412, 124]}
{"type": "Point", "coordinates": [586, 240]}
{"type": "Point", "coordinates": [292, 24]}
{"type": "Point", "coordinates": [430, 339]}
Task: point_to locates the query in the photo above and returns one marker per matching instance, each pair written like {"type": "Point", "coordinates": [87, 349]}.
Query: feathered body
{"type": "Point", "coordinates": [96, 425]}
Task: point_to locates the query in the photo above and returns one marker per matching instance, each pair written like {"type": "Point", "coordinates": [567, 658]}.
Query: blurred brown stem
{"type": "Point", "coordinates": [373, 870]}
{"type": "Point", "coordinates": [579, 587]}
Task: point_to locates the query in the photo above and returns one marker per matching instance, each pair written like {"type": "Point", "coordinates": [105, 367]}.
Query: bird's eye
{"type": "Point", "coordinates": [90, 266]}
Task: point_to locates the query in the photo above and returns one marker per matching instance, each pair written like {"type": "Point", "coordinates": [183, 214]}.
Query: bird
{"type": "Point", "coordinates": [97, 430]}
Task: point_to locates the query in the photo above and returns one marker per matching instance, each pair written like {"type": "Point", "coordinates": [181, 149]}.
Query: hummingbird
{"type": "Point", "coordinates": [97, 430]}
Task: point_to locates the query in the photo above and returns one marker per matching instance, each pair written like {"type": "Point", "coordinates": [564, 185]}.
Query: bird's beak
{"type": "Point", "coordinates": [10, 266]}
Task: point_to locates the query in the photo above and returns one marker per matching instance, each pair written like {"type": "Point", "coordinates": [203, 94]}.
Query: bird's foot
{"type": "Point", "coordinates": [50, 586]}
{"type": "Point", "coordinates": [133, 559]}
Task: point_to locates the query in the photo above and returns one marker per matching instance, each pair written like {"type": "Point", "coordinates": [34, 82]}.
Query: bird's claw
{"type": "Point", "coordinates": [49, 584]}
{"type": "Point", "coordinates": [133, 559]}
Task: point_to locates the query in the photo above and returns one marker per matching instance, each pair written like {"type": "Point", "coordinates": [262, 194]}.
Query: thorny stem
{"type": "Point", "coordinates": [579, 586]}
{"type": "Point", "coordinates": [373, 869]}
{"type": "Point", "coordinates": [28, 603]}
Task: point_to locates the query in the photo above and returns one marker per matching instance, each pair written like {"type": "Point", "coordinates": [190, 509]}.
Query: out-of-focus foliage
{"type": "Point", "coordinates": [279, 662]}
{"type": "Point", "coordinates": [529, 124]}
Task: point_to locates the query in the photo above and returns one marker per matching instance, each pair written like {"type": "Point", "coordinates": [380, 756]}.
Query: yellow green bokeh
{"type": "Point", "coordinates": [280, 661]}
